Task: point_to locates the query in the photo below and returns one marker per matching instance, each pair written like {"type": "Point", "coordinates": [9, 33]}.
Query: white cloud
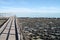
{"type": "Point", "coordinates": [28, 10]}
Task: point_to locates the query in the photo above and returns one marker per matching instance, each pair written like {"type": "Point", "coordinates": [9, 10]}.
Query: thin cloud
{"type": "Point", "coordinates": [13, 2]}
{"type": "Point", "coordinates": [28, 10]}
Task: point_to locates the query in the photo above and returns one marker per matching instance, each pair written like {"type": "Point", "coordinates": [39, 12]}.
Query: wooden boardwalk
{"type": "Point", "coordinates": [10, 30]}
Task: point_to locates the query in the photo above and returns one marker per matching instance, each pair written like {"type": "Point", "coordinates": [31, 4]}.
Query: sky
{"type": "Point", "coordinates": [31, 8]}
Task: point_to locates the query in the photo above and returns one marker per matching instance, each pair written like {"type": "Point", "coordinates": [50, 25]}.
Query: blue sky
{"type": "Point", "coordinates": [31, 8]}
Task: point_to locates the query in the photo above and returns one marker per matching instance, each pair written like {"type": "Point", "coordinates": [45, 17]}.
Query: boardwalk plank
{"type": "Point", "coordinates": [11, 31]}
